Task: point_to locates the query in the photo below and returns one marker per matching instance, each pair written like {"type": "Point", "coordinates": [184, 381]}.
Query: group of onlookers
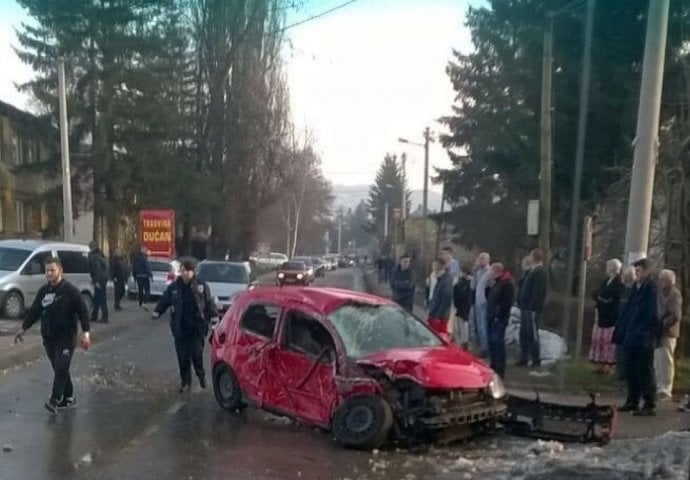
{"type": "Point", "coordinates": [637, 321]}
{"type": "Point", "coordinates": [636, 328]}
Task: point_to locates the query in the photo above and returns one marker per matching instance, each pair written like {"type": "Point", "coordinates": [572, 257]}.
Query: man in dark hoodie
{"type": "Point", "coordinates": [98, 269]}
{"type": "Point", "coordinates": [500, 296]}
{"type": "Point", "coordinates": [441, 299]}
{"type": "Point", "coordinates": [141, 270]}
{"type": "Point", "coordinates": [531, 302]}
{"type": "Point", "coordinates": [119, 273]}
{"type": "Point", "coordinates": [403, 285]}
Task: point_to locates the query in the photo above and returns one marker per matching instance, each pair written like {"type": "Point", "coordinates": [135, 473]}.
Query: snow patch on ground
{"type": "Point", "coordinates": [552, 345]}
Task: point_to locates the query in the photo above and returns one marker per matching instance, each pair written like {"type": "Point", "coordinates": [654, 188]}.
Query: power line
{"type": "Point", "coordinates": [318, 15]}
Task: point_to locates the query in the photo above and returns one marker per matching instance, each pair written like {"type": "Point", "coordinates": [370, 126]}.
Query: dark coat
{"type": "Point", "coordinates": [59, 308]}
{"type": "Point", "coordinates": [499, 298]}
{"type": "Point", "coordinates": [642, 325]}
{"type": "Point", "coordinates": [462, 297]}
{"type": "Point", "coordinates": [442, 298]}
{"type": "Point", "coordinates": [533, 293]}
{"type": "Point", "coordinates": [403, 286]}
{"type": "Point", "coordinates": [140, 266]}
{"type": "Point", "coordinates": [98, 267]}
{"type": "Point", "coordinates": [621, 323]}
{"type": "Point", "coordinates": [608, 299]}
{"type": "Point", "coordinates": [172, 298]}
{"type": "Point", "coordinates": [119, 271]}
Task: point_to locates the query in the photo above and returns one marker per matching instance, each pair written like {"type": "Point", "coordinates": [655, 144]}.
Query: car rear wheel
{"type": "Point", "coordinates": [14, 305]}
{"type": "Point", "coordinates": [226, 388]}
{"type": "Point", "coordinates": [363, 422]}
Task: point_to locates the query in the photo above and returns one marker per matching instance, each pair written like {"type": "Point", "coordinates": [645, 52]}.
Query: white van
{"type": "Point", "coordinates": [22, 271]}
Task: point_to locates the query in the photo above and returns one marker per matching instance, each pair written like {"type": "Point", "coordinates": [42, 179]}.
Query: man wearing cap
{"type": "Point", "coordinates": [192, 310]}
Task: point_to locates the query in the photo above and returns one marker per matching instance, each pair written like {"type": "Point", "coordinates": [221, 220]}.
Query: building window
{"type": "Point", "coordinates": [30, 219]}
{"type": "Point", "coordinates": [19, 216]}
{"type": "Point", "coordinates": [15, 149]}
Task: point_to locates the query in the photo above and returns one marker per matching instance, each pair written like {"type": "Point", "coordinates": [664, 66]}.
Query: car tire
{"type": "Point", "coordinates": [13, 307]}
{"type": "Point", "coordinates": [226, 388]}
{"type": "Point", "coordinates": [363, 422]}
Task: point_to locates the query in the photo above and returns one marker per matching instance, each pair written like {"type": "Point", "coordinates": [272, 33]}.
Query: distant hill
{"type": "Point", "coordinates": [349, 196]}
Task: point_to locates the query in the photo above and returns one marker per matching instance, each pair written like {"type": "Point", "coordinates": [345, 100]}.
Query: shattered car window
{"type": "Point", "coordinates": [368, 329]}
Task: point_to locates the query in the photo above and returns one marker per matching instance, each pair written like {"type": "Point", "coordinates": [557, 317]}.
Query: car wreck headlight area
{"type": "Point", "coordinates": [496, 388]}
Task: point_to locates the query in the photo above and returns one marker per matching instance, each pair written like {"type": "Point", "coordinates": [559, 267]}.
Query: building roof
{"type": "Point", "coordinates": [29, 121]}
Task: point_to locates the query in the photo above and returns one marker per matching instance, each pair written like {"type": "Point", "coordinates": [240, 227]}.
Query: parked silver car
{"type": "Point", "coordinates": [225, 279]}
{"type": "Point", "coordinates": [164, 271]}
{"type": "Point", "coordinates": [22, 271]}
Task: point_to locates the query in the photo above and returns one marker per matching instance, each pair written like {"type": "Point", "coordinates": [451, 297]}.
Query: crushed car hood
{"type": "Point", "coordinates": [433, 367]}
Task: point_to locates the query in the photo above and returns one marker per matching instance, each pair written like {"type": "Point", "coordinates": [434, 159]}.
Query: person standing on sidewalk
{"type": "Point", "coordinates": [500, 298]}
{"type": "Point", "coordinates": [462, 300]}
{"type": "Point", "coordinates": [670, 309]}
{"type": "Point", "coordinates": [531, 301]}
{"type": "Point", "coordinates": [453, 264]}
{"type": "Point", "coordinates": [628, 279]}
{"type": "Point", "coordinates": [193, 310]}
{"type": "Point", "coordinates": [642, 333]}
{"type": "Point", "coordinates": [98, 270]}
{"type": "Point", "coordinates": [480, 280]}
{"type": "Point", "coordinates": [403, 285]}
{"type": "Point", "coordinates": [441, 299]}
{"type": "Point", "coordinates": [119, 272]}
{"type": "Point", "coordinates": [60, 307]}
{"type": "Point", "coordinates": [602, 350]}
{"type": "Point", "coordinates": [141, 270]}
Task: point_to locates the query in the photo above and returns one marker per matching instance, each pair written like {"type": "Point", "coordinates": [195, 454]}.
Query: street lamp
{"type": "Point", "coordinates": [425, 198]}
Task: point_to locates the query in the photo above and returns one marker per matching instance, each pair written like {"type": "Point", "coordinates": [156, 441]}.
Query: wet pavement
{"type": "Point", "coordinates": [131, 423]}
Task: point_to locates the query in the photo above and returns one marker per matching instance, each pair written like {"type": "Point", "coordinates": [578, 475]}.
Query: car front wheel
{"type": "Point", "coordinates": [226, 388]}
{"type": "Point", "coordinates": [363, 422]}
{"type": "Point", "coordinates": [14, 305]}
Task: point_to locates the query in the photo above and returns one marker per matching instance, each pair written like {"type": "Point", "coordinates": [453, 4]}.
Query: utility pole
{"type": "Point", "coordinates": [385, 223]}
{"type": "Point", "coordinates": [403, 199]}
{"type": "Point", "coordinates": [577, 179]}
{"type": "Point", "coordinates": [646, 138]}
{"type": "Point", "coordinates": [68, 228]}
{"type": "Point", "coordinates": [425, 201]}
{"type": "Point", "coordinates": [340, 233]}
{"type": "Point", "coordinates": [545, 174]}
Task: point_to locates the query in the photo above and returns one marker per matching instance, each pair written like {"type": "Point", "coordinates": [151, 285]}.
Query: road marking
{"type": "Point", "coordinates": [176, 407]}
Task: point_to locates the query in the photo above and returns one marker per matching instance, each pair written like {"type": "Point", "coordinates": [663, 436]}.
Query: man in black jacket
{"type": "Point", "coordinates": [59, 306]}
{"type": "Point", "coordinates": [500, 296]}
{"type": "Point", "coordinates": [193, 309]}
{"type": "Point", "coordinates": [98, 269]}
{"type": "Point", "coordinates": [403, 284]}
{"type": "Point", "coordinates": [531, 303]}
{"type": "Point", "coordinates": [641, 333]}
{"type": "Point", "coordinates": [119, 274]}
{"type": "Point", "coordinates": [141, 271]}
{"type": "Point", "coordinates": [462, 299]}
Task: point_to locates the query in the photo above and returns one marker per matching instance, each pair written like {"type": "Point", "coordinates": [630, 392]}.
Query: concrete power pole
{"type": "Point", "coordinates": [425, 201]}
{"type": "Point", "coordinates": [646, 138]}
{"type": "Point", "coordinates": [545, 174]}
{"type": "Point", "coordinates": [68, 228]}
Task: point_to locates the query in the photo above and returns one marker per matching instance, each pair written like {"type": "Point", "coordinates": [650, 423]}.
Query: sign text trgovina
{"type": "Point", "coordinates": [157, 232]}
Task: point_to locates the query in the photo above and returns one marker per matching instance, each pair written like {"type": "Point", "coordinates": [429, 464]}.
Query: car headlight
{"type": "Point", "coordinates": [496, 387]}
{"type": "Point", "coordinates": [281, 275]}
{"type": "Point", "coordinates": [300, 276]}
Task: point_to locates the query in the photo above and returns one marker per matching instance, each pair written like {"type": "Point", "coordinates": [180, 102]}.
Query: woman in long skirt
{"type": "Point", "coordinates": [608, 297]}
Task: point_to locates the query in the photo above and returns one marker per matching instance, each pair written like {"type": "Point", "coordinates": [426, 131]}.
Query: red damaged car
{"type": "Point", "coordinates": [352, 363]}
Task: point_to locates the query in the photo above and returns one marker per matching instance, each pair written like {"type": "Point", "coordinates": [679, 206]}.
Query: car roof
{"type": "Point", "coordinates": [162, 259]}
{"type": "Point", "coordinates": [222, 262]}
{"type": "Point", "coordinates": [321, 299]}
{"type": "Point", "coordinates": [35, 244]}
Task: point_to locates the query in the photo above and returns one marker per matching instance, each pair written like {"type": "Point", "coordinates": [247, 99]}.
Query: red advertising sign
{"type": "Point", "coordinates": [157, 232]}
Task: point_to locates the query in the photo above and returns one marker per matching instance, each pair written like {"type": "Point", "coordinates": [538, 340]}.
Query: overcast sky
{"type": "Point", "coordinates": [359, 77]}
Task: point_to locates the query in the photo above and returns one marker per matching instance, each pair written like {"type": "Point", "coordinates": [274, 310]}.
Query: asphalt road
{"type": "Point", "coordinates": [131, 423]}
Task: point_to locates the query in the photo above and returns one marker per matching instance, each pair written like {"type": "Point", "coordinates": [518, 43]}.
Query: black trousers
{"type": "Point", "coordinates": [639, 371]}
{"type": "Point", "coordinates": [190, 352]}
{"type": "Point", "coordinates": [497, 345]}
{"type": "Point", "coordinates": [529, 336]}
{"type": "Point", "coordinates": [143, 289]}
{"type": "Point", "coordinates": [100, 301]}
{"type": "Point", "coordinates": [119, 291]}
{"type": "Point", "coordinates": [60, 354]}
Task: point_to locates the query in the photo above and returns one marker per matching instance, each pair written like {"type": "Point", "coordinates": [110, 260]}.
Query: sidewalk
{"type": "Point", "coordinates": [628, 426]}
{"type": "Point", "coordinates": [12, 355]}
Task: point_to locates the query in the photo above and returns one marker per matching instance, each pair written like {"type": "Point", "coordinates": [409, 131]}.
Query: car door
{"type": "Point", "coordinates": [303, 368]}
{"type": "Point", "coordinates": [255, 337]}
{"type": "Point", "coordinates": [33, 276]}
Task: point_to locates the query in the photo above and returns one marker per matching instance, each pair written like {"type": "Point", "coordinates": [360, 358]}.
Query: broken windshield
{"type": "Point", "coordinates": [368, 329]}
